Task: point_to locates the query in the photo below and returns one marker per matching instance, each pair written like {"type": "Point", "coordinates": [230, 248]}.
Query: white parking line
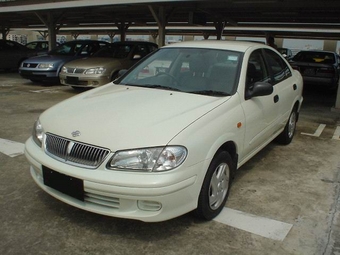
{"type": "Point", "coordinates": [336, 135]}
{"type": "Point", "coordinates": [265, 227]}
{"type": "Point", "coordinates": [317, 132]}
{"type": "Point", "coordinates": [44, 91]}
{"type": "Point", "coordinates": [11, 148]}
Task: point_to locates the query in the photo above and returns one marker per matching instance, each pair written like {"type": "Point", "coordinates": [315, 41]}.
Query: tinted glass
{"type": "Point", "coordinates": [202, 71]}
{"type": "Point", "coordinates": [278, 66]}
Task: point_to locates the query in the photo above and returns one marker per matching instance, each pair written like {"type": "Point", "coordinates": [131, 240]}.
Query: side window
{"type": "Point", "coordinates": [256, 70]}
{"type": "Point", "coordinates": [152, 48]}
{"type": "Point", "coordinates": [141, 50]}
{"type": "Point", "coordinates": [279, 68]}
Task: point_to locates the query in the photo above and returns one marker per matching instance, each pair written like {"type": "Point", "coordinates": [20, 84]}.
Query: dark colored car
{"type": "Point", "coordinates": [40, 47]}
{"type": "Point", "coordinates": [12, 54]}
{"type": "Point", "coordinates": [104, 65]}
{"type": "Point", "coordinates": [286, 53]}
{"type": "Point", "coordinates": [318, 67]}
{"type": "Point", "coordinates": [47, 67]}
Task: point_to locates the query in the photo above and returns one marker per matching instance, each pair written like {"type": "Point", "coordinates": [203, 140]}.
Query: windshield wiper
{"type": "Point", "coordinates": [210, 93]}
{"type": "Point", "coordinates": [156, 86]}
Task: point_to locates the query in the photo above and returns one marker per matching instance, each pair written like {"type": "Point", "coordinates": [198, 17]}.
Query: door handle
{"type": "Point", "coordinates": [276, 98]}
{"type": "Point", "coordinates": [294, 87]}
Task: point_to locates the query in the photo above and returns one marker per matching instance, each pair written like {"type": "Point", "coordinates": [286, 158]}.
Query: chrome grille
{"type": "Point", "coordinates": [74, 70]}
{"type": "Point", "coordinates": [74, 153]}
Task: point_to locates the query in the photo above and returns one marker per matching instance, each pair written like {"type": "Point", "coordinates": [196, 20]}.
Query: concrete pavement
{"type": "Point", "coordinates": [298, 184]}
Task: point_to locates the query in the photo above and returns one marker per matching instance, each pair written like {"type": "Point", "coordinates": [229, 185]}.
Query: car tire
{"type": "Point", "coordinates": [216, 186]}
{"type": "Point", "coordinates": [288, 133]}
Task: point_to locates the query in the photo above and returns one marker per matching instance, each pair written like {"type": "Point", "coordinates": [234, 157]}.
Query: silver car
{"type": "Point", "coordinates": [104, 65]}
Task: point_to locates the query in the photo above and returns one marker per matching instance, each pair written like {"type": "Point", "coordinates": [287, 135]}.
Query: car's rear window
{"type": "Point", "coordinates": [315, 57]}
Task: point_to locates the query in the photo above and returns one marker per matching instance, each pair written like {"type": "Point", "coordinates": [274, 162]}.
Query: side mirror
{"type": "Point", "coordinates": [122, 72]}
{"type": "Point", "coordinates": [259, 89]}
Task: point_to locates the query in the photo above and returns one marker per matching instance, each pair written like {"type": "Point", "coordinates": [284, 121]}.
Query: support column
{"type": "Point", "coordinates": [206, 35]}
{"type": "Point", "coordinates": [5, 32]}
{"type": "Point", "coordinates": [111, 35]}
{"type": "Point", "coordinates": [51, 23]}
{"type": "Point", "coordinates": [75, 35]}
{"type": "Point", "coordinates": [330, 45]}
{"type": "Point", "coordinates": [122, 27]}
{"type": "Point", "coordinates": [154, 36]}
{"type": "Point", "coordinates": [219, 25]}
{"type": "Point", "coordinates": [162, 20]}
{"type": "Point", "coordinates": [44, 34]}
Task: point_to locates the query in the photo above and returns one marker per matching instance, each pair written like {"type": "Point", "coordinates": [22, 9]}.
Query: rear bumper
{"type": "Point", "coordinates": [328, 81]}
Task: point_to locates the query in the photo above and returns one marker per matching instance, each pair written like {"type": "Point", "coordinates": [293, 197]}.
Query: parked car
{"type": "Point", "coordinates": [47, 67]}
{"type": "Point", "coordinates": [154, 145]}
{"type": "Point", "coordinates": [318, 67]}
{"type": "Point", "coordinates": [40, 47]}
{"type": "Point", "coordinates": [12, 54]}
{"type": "Point", "coordinates": [103, 66]}
{"type": "Point", "coordinates": [286, 53]}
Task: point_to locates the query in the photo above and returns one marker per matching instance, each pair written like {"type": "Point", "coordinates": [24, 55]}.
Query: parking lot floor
{"type": "Point", "coordinates": [298, 184]}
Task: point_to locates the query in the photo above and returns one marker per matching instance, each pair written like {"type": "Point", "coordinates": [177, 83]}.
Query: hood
{"type": "Point", "coordinates": [122, 117]}
{"type": "Point", "coordinates": [92, 62]}
{"type": "Point", "coordinates": [50, 58]}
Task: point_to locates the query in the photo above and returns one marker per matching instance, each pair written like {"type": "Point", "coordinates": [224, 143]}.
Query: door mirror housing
{"type": "Point", "coordinates": [259, 89]}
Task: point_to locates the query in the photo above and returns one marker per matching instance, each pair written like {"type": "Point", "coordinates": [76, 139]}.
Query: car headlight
{"type": "Point", "coordinates": [45, 65]}
{"type": "Point", "coordinates": [38, 133]}
{"type": "Point", "coordinates": [63, 69]}
{"type": "Point", "coordinates": [156, 159]}
{"type": "Point", "coordinates": [96, 70]}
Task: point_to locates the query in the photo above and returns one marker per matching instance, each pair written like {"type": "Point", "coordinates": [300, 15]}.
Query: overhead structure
{"type": "Point", "coordinates": [282, 18]}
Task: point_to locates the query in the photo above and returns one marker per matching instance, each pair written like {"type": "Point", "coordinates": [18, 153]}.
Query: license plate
{"type": "Point", "coordinates": [68, 185]}
{"type": "Point", "coordinates": [72, 80]}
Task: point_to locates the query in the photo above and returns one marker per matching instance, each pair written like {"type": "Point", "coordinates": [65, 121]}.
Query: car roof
{"type": "Point", "coordinates": [240, 46]}
{"type": "Point", "coordinates": [133, 42]}
{"type": "Point", "coordinates": [317, 51]}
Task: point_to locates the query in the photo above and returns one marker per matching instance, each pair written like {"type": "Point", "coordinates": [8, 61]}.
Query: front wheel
{"type": "Point", "coordinates": [216, 186]}
{"type": "Point", "coordinates": [287, 134]}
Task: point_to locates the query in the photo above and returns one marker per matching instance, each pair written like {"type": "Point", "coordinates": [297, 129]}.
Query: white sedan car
{"type": "Point", "coordinates": [167, 136]}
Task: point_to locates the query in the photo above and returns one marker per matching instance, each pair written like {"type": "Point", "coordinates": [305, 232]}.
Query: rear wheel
{"type": "Point", "coordinates": [216, 186]}
{"type": "Point", "coordinates": [288, 133]}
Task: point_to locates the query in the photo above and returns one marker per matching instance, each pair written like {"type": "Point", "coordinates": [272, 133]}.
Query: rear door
{"type": "Point", "coordinates": [284, 86]}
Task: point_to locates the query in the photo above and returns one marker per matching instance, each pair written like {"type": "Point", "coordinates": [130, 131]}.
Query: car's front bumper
{"type": "Point", "coordinates": [41, 75]}
{"type": "Point", "coordinates": [84, 81]}
{"type": "Point", "coordinates": [147, 197]}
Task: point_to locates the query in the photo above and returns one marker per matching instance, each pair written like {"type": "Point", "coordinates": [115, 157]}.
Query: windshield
{"type": "Point", "coordinates": [114, 51]}
{"type": "Point", "coordinates": [201, 71]}
{"type": "Point", "coordinates": [75, 48]}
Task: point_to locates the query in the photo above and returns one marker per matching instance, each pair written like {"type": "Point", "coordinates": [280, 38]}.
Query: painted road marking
{"type": "Point", "coordinates": [336, 135]}
{"type": "Point", "coordinates": [11, 148]}
{"type": "Point", "coordinates": [317, 132]}
{"type": "Point", "coordinates": [44, 91]}
{"type": "Point", "coordinates": [261, 226]}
